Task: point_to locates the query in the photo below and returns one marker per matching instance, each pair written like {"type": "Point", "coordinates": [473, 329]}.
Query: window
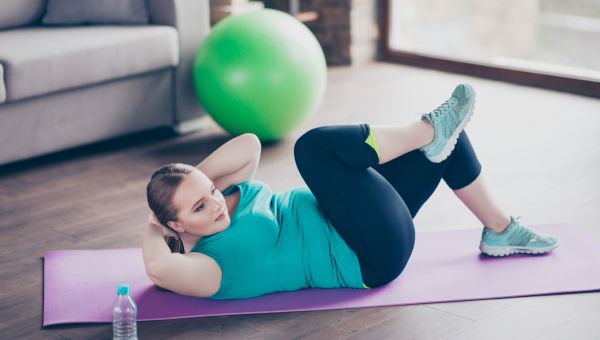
{"type": "Point", "coordinates": [549, 43]}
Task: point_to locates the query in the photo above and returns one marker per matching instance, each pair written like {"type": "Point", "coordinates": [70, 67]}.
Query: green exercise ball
{"type": "Point", "coordinates": [262, 72]}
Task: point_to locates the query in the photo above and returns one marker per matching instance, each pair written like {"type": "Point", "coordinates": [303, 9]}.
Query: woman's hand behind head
{"type": "Point", "coordinates": [154, 220]}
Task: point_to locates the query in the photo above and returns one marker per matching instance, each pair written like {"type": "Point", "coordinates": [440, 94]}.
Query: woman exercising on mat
{"type": "Point", "coordinates": [352, 226]}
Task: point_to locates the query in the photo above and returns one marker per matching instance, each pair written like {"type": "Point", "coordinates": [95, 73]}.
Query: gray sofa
{"type": "Point", "coordinates": [62, 87]}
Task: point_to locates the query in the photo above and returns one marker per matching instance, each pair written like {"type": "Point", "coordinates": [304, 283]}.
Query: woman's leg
{"type": "Point", "coordinates": [367, 212]}
{"type": "Point", "coordinates": [477, 197]}
{"type": "Point", "coordinates": [415, 177]}
{"type": "Point", "coordinates": [334, 162]}
{"type": "Point", "coordinates": [394, 141]}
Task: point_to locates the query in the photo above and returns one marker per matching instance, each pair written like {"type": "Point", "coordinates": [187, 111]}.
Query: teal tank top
{"type": "Point", "coordinates": [278, 242]}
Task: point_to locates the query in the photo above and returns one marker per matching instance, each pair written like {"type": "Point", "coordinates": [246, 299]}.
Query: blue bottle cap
{"type": "Point", "coordinates": [123, 288]}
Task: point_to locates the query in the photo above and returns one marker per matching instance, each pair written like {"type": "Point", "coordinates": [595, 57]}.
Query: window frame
{"type": "Point", "coordinates": [533, 78]}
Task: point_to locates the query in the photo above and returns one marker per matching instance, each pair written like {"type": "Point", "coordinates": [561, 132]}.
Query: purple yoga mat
{"type": "Point", "coordinates": [79, 285]}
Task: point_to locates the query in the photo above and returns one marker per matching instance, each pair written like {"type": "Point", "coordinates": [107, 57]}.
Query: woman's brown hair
{"type": "Point", "coordinates": [160, 191]}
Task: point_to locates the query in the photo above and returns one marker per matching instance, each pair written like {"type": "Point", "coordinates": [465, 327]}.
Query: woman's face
{"type": "Point", "coordinates": [199, 204]}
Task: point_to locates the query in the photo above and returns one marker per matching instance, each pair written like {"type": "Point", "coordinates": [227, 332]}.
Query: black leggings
{"type": "Point", "coordinates": [372, 205]}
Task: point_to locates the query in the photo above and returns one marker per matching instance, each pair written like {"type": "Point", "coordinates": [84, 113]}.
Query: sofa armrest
{"type": "Point", "coordinates": [191, 19]}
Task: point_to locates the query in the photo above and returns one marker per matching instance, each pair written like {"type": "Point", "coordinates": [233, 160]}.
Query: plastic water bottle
{"type": "Point", "coordinates": [124, 315]}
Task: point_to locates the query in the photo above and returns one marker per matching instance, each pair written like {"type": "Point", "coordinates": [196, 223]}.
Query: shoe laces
{"type": "Point", "coordinates": [520, 235]}
{"type": "Point", "coordinates": [446, 118]}
{"type": "Point", "coordinates": [438, 111]}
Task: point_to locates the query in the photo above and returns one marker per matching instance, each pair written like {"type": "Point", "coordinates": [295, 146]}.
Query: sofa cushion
{"type": "Point", "coordinates": [69, 12]}
{"type": "Point", "coordinates": [15, 13]}
{"type": "Point", "coordinates": [2, 87]}
{"type": "Point", "coordinates": [40, 60]}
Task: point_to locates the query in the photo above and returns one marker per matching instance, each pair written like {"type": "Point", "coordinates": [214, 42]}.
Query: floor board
{"type": "Point", "coordinates": [540, 152]}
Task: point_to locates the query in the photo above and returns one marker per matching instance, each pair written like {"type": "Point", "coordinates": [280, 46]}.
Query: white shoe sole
{"type": "Point", "coordinates": [451, 144]}
{"type": "Point", "coordinates": [505, 251]}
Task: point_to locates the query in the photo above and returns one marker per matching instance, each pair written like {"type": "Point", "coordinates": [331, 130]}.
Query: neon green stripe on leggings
{"type": "Point", "coordinates": [373, 143]}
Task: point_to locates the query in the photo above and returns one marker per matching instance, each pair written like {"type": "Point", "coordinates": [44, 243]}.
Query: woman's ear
{"type": "Point", "coordinates": [174, 227]}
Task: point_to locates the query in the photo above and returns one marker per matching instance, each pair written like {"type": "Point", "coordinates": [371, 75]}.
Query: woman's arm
{"type": "Point", "coordinates": [193, 274]}
{"type": "Point", "coordinates": [233, 162]}
{"type": "Point", "coordinates": [154, 247]}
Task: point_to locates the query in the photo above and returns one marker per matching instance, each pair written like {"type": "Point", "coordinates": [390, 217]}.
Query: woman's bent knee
{"type": "Point", "coordinates": [388, 270]}
{"type": "Point", "coordinates": [307, 143]}
{"type": "Point", "coordinates": [388, 276]}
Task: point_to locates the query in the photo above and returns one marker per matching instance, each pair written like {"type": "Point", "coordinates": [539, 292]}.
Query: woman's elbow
{"type": "Point", "coordinates": [255, 142]}
{"type": "Point", "coordinates": [152, 272]}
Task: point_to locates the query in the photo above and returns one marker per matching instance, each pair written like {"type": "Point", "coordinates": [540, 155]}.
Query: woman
{"type": "Point", "coordinates": [352, 226]}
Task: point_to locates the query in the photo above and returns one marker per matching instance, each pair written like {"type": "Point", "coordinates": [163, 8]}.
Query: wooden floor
{"type": "Point", "coordinates": [540, 152]}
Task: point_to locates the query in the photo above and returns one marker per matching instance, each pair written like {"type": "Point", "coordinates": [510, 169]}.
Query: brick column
{"type": "Point", "coordinates": [346, 29]}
